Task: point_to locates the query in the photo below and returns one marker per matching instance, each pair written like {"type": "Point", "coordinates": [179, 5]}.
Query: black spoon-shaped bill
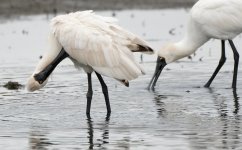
{"type": "Point", "coordinates": [160, 64]}
{"type": "Point", "coordinates": [44, 74]}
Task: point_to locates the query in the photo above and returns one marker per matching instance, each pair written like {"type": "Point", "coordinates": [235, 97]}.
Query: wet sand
{"type": "Point", "coordinates": [19, 7]}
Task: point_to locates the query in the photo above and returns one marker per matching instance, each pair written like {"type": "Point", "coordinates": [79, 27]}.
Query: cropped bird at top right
{"type": "Point", "coordinates": [218, 19]}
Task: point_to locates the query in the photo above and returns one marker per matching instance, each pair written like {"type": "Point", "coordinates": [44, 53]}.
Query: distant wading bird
{"type": "Point", "coordinates": [94, 43]}
{"type": "Point", "coordinates": [219, 19]}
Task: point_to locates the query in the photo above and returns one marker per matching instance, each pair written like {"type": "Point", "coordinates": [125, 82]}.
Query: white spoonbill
{"type": "Point", "coordinates": [218, 19]}
{"type": "Point", "coordinates": [94, 43]}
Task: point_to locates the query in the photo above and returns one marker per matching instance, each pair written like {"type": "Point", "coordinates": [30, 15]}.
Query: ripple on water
{"type": "Point", "coordinates": [179, 114]}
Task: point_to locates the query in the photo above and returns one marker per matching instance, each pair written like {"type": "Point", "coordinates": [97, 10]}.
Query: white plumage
{"type": "Point", "coordinates": [94, 43]}
{"type": "Point", "coordinates": [98, 43]}
{"type": "Point", "coordinates": [219, 19]}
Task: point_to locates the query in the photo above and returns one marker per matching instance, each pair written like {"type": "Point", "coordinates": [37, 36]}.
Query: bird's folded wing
{"type": "Point", "coordinates": [100, 44]}
{"type": "Point", "coordinates": [98, 39]}
{"type": "Point", "coordinates": [219, 16]}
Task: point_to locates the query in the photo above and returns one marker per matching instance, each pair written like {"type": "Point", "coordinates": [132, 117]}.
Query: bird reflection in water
{"type": "Point", "coordinates": [90, 131]}
{"type": "Point", "coordinates": [38, 140]}
{"type": "Point", "coordinates": [230, 125]}
{"type": "Point", "coordinates": [161, 107]}
{"type": "Point", "coordinates": [105, 134]}
{"type": "Point", "coordinates": [236, 101]}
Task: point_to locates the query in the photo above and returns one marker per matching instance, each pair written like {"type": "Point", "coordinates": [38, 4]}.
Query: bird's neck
{"type": "Point", "coordinates": [187, 46]}
{"type": "Point", "coordinates": [193, 39]}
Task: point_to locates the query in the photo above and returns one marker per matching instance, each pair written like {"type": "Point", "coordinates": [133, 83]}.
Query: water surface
{"type": "Point", "coordinates": [179, 114]}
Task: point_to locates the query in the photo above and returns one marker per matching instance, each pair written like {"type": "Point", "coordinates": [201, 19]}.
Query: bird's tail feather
{"type": "Point", "coordinates": [141, 48]}
{"type": "Point", "coordinates": [144, 49]}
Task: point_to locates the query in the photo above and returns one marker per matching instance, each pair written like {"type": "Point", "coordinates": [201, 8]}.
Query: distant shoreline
{"type": "Point", "coordinates": [10, 8]}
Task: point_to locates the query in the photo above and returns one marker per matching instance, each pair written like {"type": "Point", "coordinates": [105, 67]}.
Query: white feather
{"type": "Point", "coordinates": [219, 19]}
{"type": "Point", "coordinates": [95, 43]}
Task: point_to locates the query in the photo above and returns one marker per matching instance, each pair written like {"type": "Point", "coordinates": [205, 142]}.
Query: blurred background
{"type": "Point", "coordinates": [17, 7]}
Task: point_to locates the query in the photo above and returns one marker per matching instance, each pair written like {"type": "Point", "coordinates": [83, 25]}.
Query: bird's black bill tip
{"type": "Point", "coordinates": [39, 77]}
{"type": "Point", "coordinates": [44, 74]}
{"type": "Point", "coordinates": [160, 64]}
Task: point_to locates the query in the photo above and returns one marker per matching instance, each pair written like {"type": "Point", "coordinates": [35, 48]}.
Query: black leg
{"type": "Point", "coordinates": [236, 63]}
{"type": "Point", "coordinates": [105, 92]}
{"type": "Point", "coordinates": [89, 93]}
{"type": "Point", "coordinates": [221, 63]}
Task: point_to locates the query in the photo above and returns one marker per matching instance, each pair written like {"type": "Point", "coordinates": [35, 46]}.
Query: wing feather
{"type": "Point", "coordinates": [219, 18]}
{"type": "Point", "coordinates": [100, 43]}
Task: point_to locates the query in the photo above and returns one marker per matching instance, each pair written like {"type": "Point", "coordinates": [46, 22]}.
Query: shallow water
{"type": "Point", "coordinates": [179, 114]}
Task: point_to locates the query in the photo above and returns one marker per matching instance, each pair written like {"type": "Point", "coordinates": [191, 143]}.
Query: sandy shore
{"type": "Point", "coordinates": [19, 7]}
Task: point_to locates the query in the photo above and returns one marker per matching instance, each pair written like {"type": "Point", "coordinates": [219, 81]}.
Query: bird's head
{"type": "Point", "coordinates": [33, 84]}
{"type": "Point", "coordinates": [165, 56]}
{"type": "Point", "coordinates": [168, 52]}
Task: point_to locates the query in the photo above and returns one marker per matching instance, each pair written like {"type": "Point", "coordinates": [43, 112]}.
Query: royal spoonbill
{"type": "Point", "coordinates": [94, 43]}
{"type": "Point", "coordinates": [218, 19]}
